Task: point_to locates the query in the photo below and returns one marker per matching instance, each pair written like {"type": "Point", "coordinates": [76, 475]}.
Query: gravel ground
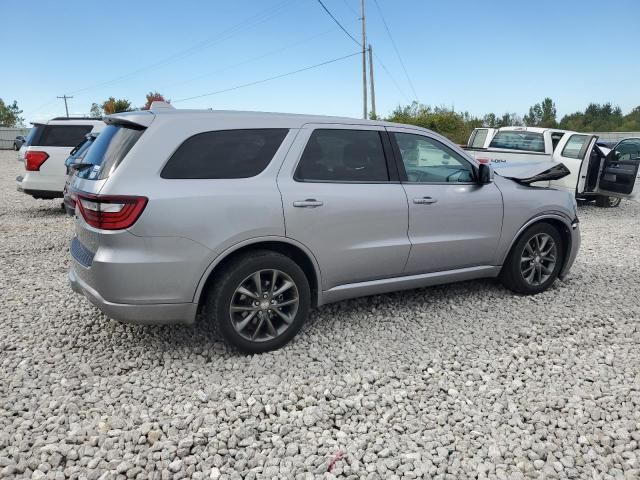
{"type": "Point", "coordinates": [460, 381]}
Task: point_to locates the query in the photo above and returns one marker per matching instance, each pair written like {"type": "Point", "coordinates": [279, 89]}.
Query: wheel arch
{"type": "Point", "coordinates": [294, 250]}
{"type": "Point", "coordinates": [560, 222]}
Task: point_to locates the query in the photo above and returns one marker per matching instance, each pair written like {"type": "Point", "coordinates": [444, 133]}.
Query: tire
{"type": "Point", "coordinates": [607, 202]}
{"type": "Point", "coordinates": [15, 147]}
{"type": "Point", "coordinates": [269, 330]}
{"type": "Point", "coordinates": [515, 274]}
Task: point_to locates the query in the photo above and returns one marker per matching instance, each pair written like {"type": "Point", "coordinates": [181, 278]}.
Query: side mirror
{"type": "Point", "coordinates": [485, 174]}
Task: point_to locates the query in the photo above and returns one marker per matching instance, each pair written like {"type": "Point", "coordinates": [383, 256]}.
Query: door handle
{"type": "Point", "coordinates": [424, 201]}
{"type": "Point", "coordinates": [308, 203]}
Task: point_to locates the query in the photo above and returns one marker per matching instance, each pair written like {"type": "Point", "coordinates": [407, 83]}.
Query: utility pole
{"type": "Point", "coordinates": [373, 90]}
{"type": "Point", "coordinates": [66, 108]}
{"type": "Point", "coordinates": [364, 62]}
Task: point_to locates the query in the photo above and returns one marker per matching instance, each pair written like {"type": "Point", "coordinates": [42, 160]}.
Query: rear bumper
{"type": "Point", "coordinates": [26, 187]}
{"type": "Point", "coordinates": [573, 252]}
{"type": "Point", "coordinates": [147, 314]}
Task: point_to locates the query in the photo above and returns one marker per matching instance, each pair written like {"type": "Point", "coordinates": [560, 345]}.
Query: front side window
{"type": "Point", "coordinates": [224, 154]}
{"type": "Point", "coordinates": [518, 140]}
{"type": "Point", "coordinates": [576, 146]}
{"type": "Point", "coordinates": [428, 161]}
{"type": "Point", "coordinates": [626, 150]}
{"type": "Point", "coordinates": [343, 155]}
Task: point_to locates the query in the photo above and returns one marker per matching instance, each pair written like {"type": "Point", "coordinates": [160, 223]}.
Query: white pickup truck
{"type": "Point", "coordinates": [593, 171]}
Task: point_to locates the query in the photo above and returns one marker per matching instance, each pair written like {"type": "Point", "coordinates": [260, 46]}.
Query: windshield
{"type": "Point", "coordinates": [518, 140]}
{"type": "Point", "coordinates": [108, 150]}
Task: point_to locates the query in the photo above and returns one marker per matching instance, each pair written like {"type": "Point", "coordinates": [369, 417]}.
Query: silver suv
{"type": "Point", "coordinates": [254, 218]}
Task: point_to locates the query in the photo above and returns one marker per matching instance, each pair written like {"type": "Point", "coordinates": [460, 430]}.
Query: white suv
{"type": "Point", "coordinates": [48, 145]}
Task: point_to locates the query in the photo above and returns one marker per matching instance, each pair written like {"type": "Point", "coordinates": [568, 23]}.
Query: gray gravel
{"type": "Point", "coordinates": [460, 381]}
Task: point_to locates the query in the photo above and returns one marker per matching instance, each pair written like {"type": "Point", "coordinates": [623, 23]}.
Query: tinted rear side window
{"type": "Point", "coordinates": [108, 150]}
{"type": "Point", "coordinates": [343, 156]}
{"type": "Point", "coordinates": [519, 140]}
{"type": "Point", "coordinates": [224, 154]}
{"type": "Point", "coordinates": [61, 135]}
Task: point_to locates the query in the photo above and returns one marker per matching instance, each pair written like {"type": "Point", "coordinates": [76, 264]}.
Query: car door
{"type": "Point", "coordinates": [454, 222]}
{"type": "Point", "coordinates": [620, 172]}
{"type": "Point", "coordinates": [576, 152]}
{"type": "Point", "coordinates": [341, 201]}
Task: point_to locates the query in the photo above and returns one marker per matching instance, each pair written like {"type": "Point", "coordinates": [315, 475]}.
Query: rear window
{"type": "Point", "coordinates": [519, 140]}
{"type": "Point", "coordinates": [224, 154]}
{"type": "Point", "coordinates": [60, 135]}
{"type": "Point", "coordinates": [33, 133]}
{"type": "Point", "coordinates": [108, 150]}
{"type": "Point", "coordinates": [479, 137]}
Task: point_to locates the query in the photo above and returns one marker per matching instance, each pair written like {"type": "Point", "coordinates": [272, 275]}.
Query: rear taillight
{"type": "Point", "coordinates": [33, 160]}
{"type": "Point", "coordinates": [110, 212]}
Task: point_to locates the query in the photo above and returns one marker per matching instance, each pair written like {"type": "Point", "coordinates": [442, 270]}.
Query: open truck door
{"type": "Point", "coordinates": [619, 174]}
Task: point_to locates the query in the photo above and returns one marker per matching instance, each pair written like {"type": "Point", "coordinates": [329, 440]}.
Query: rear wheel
{"type": "Point", "coordinates": [607, 202]}
{"type": "Point", "coordinates": [259, 301]}
{"type": "Point", "coordinates": [534, 261]}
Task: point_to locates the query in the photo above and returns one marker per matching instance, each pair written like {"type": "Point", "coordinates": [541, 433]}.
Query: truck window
{"type": "Point", "coordinates": [576, 146]}
{"type": "Point", "coordinates": [555, 139]}
{"type": "Point", "coordinates": [478, 138]}
{"type": "Point", "coordinates": [518, 140]}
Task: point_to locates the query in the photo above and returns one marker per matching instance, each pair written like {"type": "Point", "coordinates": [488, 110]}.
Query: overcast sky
{"type": "Point", "coordinates": [477, 56]}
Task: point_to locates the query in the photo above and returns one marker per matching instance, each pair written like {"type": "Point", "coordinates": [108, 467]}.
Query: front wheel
{"type": "Point", "coordinates": [608, 202]}
{"type": "Point", "coordinates": [534, 261]}
{"type": "Point", "coordinates": [259, 301]}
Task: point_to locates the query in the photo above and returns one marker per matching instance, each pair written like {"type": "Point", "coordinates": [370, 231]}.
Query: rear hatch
{"type": "Point", "coordinates": [103, 158]}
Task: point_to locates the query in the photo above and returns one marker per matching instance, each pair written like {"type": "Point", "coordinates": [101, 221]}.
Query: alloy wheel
{"type": "Point", "coordinates": [538, 259]}
{"type": "Point", "coordinates": [264, 305]}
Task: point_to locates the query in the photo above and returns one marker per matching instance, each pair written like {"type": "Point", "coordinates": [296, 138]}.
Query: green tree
{"type": "Point", "coordinates": [457, 126]}
{"type": "Point", "coordinates": [116, 106]}
{"type": "Point", "coordinates": [601, 118]}
{"type": "Point", "coordinates": [96, 111]}
{"type": "Point", "coordinates": [10, 115]}
{"type": "Point", "coordinates": [542, 115]}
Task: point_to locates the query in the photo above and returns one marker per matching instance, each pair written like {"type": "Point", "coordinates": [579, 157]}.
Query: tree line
{"type": "Point", "coordinates": [457, 126]}
{"type": "Point", "coordinates": [118, 105]}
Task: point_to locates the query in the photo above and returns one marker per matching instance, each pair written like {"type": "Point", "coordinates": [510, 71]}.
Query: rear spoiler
{"type": "Point", "coordinates": [529, 173]}
{"type": "Point", "coordinates": [139, 119]}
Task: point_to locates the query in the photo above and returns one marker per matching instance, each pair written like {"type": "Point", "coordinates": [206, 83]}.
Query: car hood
{"type": "Point", "coordinates": [527, 173]}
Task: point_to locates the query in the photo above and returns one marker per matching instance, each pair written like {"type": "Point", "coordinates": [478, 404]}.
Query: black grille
{"type": "Point", "coordinates": [78, 251]}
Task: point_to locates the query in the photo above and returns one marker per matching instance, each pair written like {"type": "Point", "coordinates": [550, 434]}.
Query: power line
{"type": "Point", "coordinates": [338, 23]}
{"type": "Point", "coordinates": [253, 20]}
{"type": "Point", "coordinates": [253, 59]}
{"type": "Point", "coordinates": [275, 77]}
{"type": "Point", "coordinates": [396, 49]}
{"type": "Point", "coordinates": [384, 67]}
